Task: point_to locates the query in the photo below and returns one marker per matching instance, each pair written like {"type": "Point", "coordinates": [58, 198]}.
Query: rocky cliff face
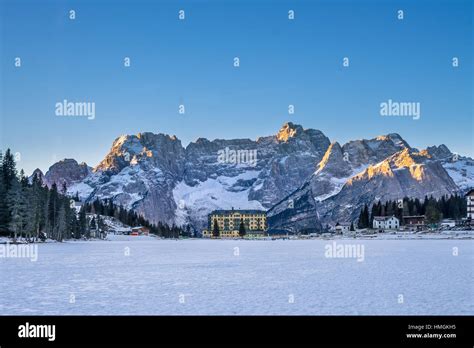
{"type": "Point", "coordinates": [39, 175]}
{"type": "Point", "coordinates": [154, 175]}
{"type": "Point", "coordinates": [139, 173]}
{"type": "Point", "coordinates": [296, 174]}
{"type": "Point", "coordinates": [406, 173]}
{"type": "Point", "coordinates": [67, 172]}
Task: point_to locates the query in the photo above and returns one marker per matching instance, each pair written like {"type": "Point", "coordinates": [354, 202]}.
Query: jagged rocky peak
{"type": "Point", "coordinates": [38, 172]}
{"type": "Point", "coordinates": [325, 182]}
{"type": "Point", "coordinates": [288, 130]}
{"type": "Point", "coordinates": [292, 140]}
{"type": "Point", "coordinates": [66, 172]}
{"type": "Point", "coordinates": [333, 161]}
{"type": "Point", "coordinates": [394, 138]}
{"type": "Point", "coordinates": [160, 149]}
{"type": "Point", "coordinates": [408, 159]}
{"type": "Point", "coordinates": [39, 175]}
{"type": "Point", "coordinates": [371, 151]}
{"type": "Point", "coordinates": [439, 152]}
{"type": "Point", "coordinates": [200, 141]}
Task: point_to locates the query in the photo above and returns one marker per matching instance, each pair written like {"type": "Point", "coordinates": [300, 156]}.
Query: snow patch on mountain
{"type": "Point", "coordinates": [338, 184]}
{"type": "Point", "coordinates": [462, 172]}
{"type": "Point", "coordinates": [195, 202]}
{"type": "Point", "coordinates": [82, 189]}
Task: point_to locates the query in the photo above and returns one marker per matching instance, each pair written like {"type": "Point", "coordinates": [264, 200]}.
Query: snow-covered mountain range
{"type": "Point", "coordinates": [298, 175]}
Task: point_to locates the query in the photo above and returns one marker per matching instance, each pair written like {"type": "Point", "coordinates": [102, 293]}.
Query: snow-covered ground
{"type": "Point", "coordinates": [145, 275]}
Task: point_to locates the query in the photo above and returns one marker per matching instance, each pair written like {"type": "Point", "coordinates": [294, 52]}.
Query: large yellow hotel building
{"type": "Point", "coordinates": [255, 222]}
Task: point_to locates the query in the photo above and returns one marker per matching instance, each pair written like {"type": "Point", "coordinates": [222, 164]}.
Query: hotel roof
{"type": "Point", "coordinates": [224, 212]}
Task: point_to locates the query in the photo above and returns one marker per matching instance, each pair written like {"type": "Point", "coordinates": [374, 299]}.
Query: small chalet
{"type": "Point", "coordinates": [140, 230]}
{"type": "Point", "coordinates": [414, 222]}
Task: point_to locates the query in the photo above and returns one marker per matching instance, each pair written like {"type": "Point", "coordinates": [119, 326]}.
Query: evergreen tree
{"type": "Point", "coordinates": [52, 210]}
{"type": "Point", "coordinates": [62, 224]}
{"type": "Point", "coordinates": [360, 221]}
{"type": "Point", "coordinates": [9, 178]}
{"type": "Point", "coordinates": [17, 205]}
{"type": "Point", "coordinates": [93, 224]}
{"type": "Point", "coordinates": [64, 189]}
{"type": "Point", "coordinates": [215, 231]}
{"type": "Point", "coordinates": [4, 212]}
{"type": "Point", "coordinates": [38, 200]}
{"type": "Point", "coordinates": [373, 213]}
{"type": "Point", "coordinates": [406, 208]}
{"type": "Point", "coordinates": [242, 231]}
{"type": "Point", "coordinates": [432, 213]}
{"type": "Point", "coordinates": [364, 217]}
{"type": "Point", "coordinates": [101, 226]}
{"type": "Point", "coordinates": [9, 169]}
{"type": "Point", "coordinates": [83, 228]}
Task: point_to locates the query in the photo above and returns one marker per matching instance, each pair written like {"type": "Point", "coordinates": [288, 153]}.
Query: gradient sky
{"type": "Point", "coordinates": [190, 62]}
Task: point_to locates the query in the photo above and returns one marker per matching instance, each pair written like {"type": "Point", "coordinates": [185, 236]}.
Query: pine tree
{"type": "Point", "coordinates": [9, 178]}
{"type": "Point", "coordinates": [432, 213]}
{"type": "Point", "coordinates": [62, 224]}
{"type": "Point", "coordinates": [364, 217]}
{"type": "Point", "coordinates": [93, 224]}
{"type": "Point", "coordinates": [83, 223]}
{"type": "Point", "coordinates": [215, 231]}
{"type": "Point", "coordinates": [9, 169]}
{"type": "Point", "coordinates": [64, 189]}
{"type": "Point", "coordinates": [52, 210]}
{"type": "Point", "coordinates": [406, 208]}
{"type": "Point", "coordinates": [39, 198]}
{"type": "Point", "coordinates": [30, 212]}
{"type": "Point", "coordinates": [242, 231]}
{"type": "Point", "coordinates": [101, 226]}
{"type": "Point", "coordinates": [360, 221]}
{"type": "Point", "coordinates": [4, 213]}
{"type": "Point", "coordinates": [373, 213]}
{"type": "Point", "coordinates": [16, 201]}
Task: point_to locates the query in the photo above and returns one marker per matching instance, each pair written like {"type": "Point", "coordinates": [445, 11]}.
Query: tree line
{"type": "Point", "coordinates": [434, 210]}
{"type": "Point", "coordinates": [31, 210]}
{"type": "Point", "coordinates": [107, 207]}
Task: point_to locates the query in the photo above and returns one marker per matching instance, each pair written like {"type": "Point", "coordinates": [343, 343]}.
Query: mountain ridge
{"type": "Point", "coordinates": [160, 178]}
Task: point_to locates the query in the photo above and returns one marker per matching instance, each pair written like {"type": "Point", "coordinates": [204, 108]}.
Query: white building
{"type": "Point", "coordinates": [386, 223]}
{"type": "Point", "coordinates": [342, 228]}
{"type": "Point", "coordinates": [448, 223]}
{"type": "Point", "coordinates": [470, 204]}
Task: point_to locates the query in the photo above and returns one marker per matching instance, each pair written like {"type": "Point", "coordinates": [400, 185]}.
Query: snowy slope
{"type": "Point", "coordinates": [462, 172]}
{"type": "Point", "coordinates": [195, 202]}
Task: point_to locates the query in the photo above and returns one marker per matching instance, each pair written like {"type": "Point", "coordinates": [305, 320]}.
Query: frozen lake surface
{"type": "Point", "coordinates": [288, 277]}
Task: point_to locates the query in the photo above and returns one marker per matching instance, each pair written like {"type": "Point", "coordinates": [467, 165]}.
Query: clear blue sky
{"type": "Point", "coordinates": [191, 62]}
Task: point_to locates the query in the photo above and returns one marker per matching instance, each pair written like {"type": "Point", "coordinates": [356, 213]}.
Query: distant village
{"type": "Point", "coordinates": [253, 223]}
